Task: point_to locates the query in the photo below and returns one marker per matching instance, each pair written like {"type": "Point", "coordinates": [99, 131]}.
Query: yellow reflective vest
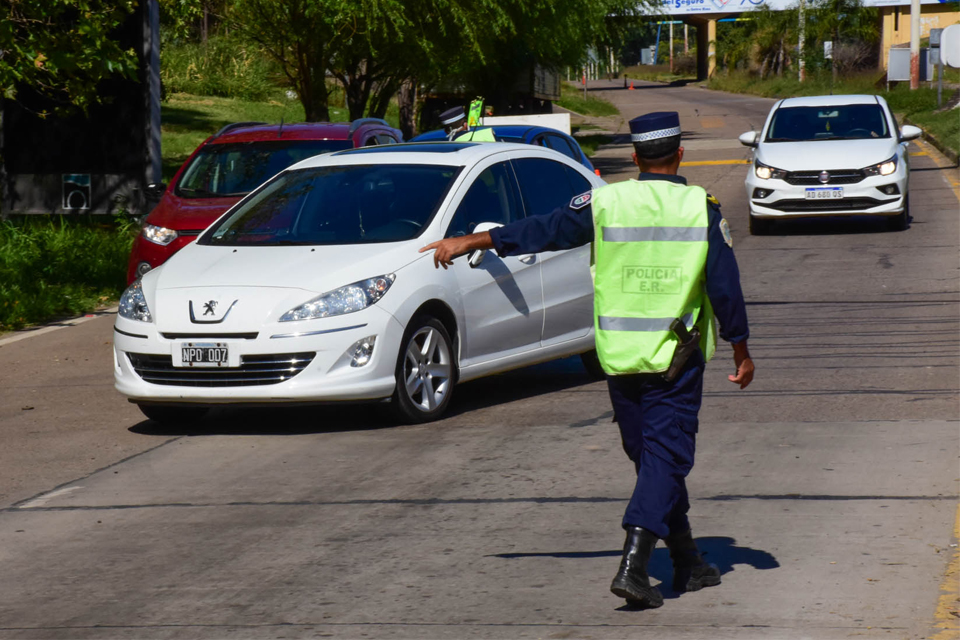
{"type": "Point", "coordinates": [650, 254]}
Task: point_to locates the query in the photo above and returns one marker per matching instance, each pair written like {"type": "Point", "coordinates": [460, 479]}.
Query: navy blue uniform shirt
{"type": "Point", "coordinates": [566, 228]}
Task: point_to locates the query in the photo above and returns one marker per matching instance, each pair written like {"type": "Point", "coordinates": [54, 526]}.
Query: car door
{"type": "Point", "coordinates": [546, 184]}
{"type": "Point", "coordinates": [502, 297]}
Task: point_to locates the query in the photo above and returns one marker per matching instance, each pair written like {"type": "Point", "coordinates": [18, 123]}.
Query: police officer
{"type": "Point", "coordinates": [454, 122]}
{"type": "Point", "coordinates": [662, 252]}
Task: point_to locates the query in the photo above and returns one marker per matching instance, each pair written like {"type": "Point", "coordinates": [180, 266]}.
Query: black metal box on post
{"type": "Point", "coordinates": [100, 162]}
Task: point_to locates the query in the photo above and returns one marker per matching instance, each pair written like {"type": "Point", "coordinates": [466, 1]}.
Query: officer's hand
{"type": "Point", "coordinates": [444, 251]}
{"type": "Point", "coordinates": [741, 357]}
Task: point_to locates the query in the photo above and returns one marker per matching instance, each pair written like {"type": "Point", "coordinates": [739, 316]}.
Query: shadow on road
{"type": "Point", "coordinates": [720, 550]}
{"type": "Point", "coordinates": [282, 420]}
{"type": "Point", "coordinates": [830, 226]}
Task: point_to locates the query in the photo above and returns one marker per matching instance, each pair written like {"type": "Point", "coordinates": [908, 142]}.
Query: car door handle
{"type": "Point", "coordinates": [529, 258]}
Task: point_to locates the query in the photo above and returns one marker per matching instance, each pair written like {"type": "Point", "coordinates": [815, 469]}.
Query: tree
{"type": "Point", "coordinates": [63, 50]}
{"type": "Point", "coordinates": [843, 21]}
{"type": "Point", "coordinates": [302, 36]}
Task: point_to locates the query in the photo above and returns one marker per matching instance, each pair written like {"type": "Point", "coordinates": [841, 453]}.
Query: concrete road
{"type": "Point", "coordinates": [827, 492]}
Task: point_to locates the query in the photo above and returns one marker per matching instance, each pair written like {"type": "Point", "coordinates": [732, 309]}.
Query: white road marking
{"type": "Point", "coordinates": [23, 334]}
{"type": "Point", "coordinates": [47, 497]}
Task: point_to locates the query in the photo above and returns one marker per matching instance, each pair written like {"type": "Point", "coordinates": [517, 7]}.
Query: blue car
{"type": "Point", "coordinates": [526, 134]}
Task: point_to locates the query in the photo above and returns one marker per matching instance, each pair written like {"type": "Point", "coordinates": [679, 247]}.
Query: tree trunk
{"type": "Point", "coordinates": [833, 53]}
{"type": "Point", "coordinates": [385, 92]}
{"type": "Point", "coordinates": [315, 99]}
{"type": "Point", "coordinates": [408, 108]}
{"type": "Point", "coordinates": [205, 23]}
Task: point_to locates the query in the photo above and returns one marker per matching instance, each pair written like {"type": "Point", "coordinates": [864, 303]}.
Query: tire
{"type": "Point", "coordinates": [759, 227]}
{"type": "Point", "coordinates": [169, 414]}
{"type": "Point", "coordinates": [426, 372]}
{"type": "Point", "coordinates": [591, 362]}
{"type": "Point", "coordinates": [902, 221]}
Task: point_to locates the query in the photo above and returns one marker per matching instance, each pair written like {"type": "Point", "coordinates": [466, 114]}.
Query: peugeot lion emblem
{"type": "Point", "coordinates": [824, 177]}
{"type": "Point", "coordinates": [208, 308]}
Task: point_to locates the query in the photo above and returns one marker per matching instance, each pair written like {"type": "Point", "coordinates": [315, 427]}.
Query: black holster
{"type": "Point", "coordinates": [689, 343]}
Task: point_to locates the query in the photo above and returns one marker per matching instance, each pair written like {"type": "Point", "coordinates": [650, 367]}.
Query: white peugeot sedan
{"type": "Point", "coordinates": [312, 288]}
{"type": "Point", "coordinates": [829, 156]}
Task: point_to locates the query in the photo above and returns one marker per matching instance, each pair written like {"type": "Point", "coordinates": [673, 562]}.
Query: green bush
{"type": "Point", "coordinates": [222, 66]}
{"type": "Point", "coordinates": [60, 266]}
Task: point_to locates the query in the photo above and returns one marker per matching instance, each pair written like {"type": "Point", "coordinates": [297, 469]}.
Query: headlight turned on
{"type": "Point", "coordinates": [349, 299]}
{"type": "Point", "coordinates": [158, 235]}
{"type": "Point", "coordinates": [133, 304]}
{"type": "Point", "coordinates": [884, 168]}
{"type": "Point", "coordinates": [766, 172]}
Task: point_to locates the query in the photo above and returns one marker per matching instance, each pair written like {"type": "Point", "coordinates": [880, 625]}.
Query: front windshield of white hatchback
{"type": "Point", "coordinates": [352, 204]}
{"type": "Point", "coordinates": [845, 122]}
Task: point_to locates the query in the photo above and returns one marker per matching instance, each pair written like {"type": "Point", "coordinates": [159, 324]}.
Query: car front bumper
{"type": "Point", "coordinates": [866, 197]}
{"type": "Point", "coordinates": [144, 370]}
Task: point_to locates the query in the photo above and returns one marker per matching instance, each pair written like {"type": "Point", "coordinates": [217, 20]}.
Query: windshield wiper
{"type": "Point", "coordinates": [199, 192]}
{"type": "Point", "coordinates": [782, 140]}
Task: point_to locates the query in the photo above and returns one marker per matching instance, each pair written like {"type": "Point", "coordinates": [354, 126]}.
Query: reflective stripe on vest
{"type": "Point", "coordinates": [650, 251]}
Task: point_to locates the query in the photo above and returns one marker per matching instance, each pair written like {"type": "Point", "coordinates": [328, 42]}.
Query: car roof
{"type": "Point", "coordinates": [442, 153]}
{"type": "Point", "coordinates": [828, 101]}
{"type": "Point", "coordinates": [257, 132]}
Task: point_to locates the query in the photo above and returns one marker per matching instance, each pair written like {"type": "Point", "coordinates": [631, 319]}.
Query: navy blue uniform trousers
{"type": "Point", "coordinates": [658, 424]}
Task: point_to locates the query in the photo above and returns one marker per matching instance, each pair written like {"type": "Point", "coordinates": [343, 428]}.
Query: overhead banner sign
{"type": "Point", "coordinates": [682, 7]}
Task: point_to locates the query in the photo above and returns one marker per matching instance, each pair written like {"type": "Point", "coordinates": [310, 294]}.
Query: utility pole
{"type": "Point", "coordinates": [801, 64]}
{"type": "Point", "coordinates": [686, 41]}
{"type": "Point", "coordinates": [671, 46]}
{"type": "Point", "coordinates": [914, 44]}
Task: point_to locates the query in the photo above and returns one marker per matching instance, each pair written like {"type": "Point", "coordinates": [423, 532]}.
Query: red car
{"type": "Point", "coordinates": [229, 165]}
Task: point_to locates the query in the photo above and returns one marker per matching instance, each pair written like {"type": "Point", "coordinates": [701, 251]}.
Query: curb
{"type": "Point", "coordinates": [942, 148]}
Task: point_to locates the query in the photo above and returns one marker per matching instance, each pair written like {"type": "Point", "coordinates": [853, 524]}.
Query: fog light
{"type": "Point", "coordinates": [362, 351]}
{"type": "Point", "coordinates": [761, 193]}
{"type": "Point", "coordinates": [890, 189]}
{"type": "Point", "coordinates": [142, 268]}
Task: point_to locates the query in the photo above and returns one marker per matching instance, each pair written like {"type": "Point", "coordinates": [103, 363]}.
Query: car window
{"type": "Point", "coordinates": [577, 181]}
{"type": "Point", "coordinates": [560, 144]}
{"type": "Point", "coordinates": [370, 142]}
{"type": "Point", "coordinates": [491, 198]}
{"type": "Point", "coordinates": [352, 204]}
{"type": "Point", "coordinates": [843, 122]}
{"type": "Point", "coordinates": [544, 185]}
{"type": "Point", "coordinates": [236, 169]}
{"type": "Point", "coordinates": [383, 138]}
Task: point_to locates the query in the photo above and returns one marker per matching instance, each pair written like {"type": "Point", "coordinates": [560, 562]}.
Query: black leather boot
{"type": "Point", "coordinates": [690, 572]}
{"type": "Point", "coordinates": [632, 581]}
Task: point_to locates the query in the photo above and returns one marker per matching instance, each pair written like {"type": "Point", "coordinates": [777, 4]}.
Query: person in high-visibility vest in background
{"type": "Point", "coordinates": [664, 273]}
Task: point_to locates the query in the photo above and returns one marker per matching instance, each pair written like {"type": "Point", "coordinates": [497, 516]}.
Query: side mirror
{"type": "Point", "coordinates": [475, 258]}
{"type": "Point", "coordinates": [910, 132]}
{"type": "Point", "coordinates": [155, 190]}
{"type": "Point", "coordinates": [749, 139]}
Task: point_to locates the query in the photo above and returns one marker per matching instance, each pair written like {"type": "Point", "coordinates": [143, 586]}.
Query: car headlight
{"type": "Point", "coordinates": [133, 304]}
{"type": "Point", "coordinates": [765, 172]}
{"type": "Point", "coordinates": [158, 235]}
{"type": "Point", "coordinates": [884, 168]}
{"type": "Point", "coordinates": [348, 299]}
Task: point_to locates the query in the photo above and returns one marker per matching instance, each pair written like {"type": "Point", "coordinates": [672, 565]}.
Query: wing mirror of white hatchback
{"type": "Point", "coordinates": [749, 139]}
{"type": "Point", "coordinates": [476, 257]}
{"type": "Point", "coordinates": [910, 132]}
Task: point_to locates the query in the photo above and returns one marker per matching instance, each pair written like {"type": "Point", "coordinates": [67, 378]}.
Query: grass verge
{"type": "Point", "coordinates": [590, 143]}
{"type": "Point", "coordinates": [573, 99]}
{"type": "Point", "coordinates": [52, 267]}
{"type": "Point", "coordinates": [920, 105]}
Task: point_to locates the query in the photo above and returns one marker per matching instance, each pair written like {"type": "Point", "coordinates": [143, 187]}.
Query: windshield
{"type": "Point", "coordinates": [847, 122]}
{"type": "Point", "coordinates": [353, 204]}
{"type": "Point", "coordinates": [222, 170]}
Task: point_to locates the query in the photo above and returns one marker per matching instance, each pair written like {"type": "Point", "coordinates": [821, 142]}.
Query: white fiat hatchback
{"type": "Point", "coordinates": [829, 156]}
{"type": "Point", "coordinates": [312, 288]}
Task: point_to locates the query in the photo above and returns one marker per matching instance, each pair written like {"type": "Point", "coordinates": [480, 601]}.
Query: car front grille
{"type": "Point", "coordinates": [254, 370]}
{"type": "Point", "coordinates": [840, 176]}
{"type": "Point", "coordinates": [840, 204]}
